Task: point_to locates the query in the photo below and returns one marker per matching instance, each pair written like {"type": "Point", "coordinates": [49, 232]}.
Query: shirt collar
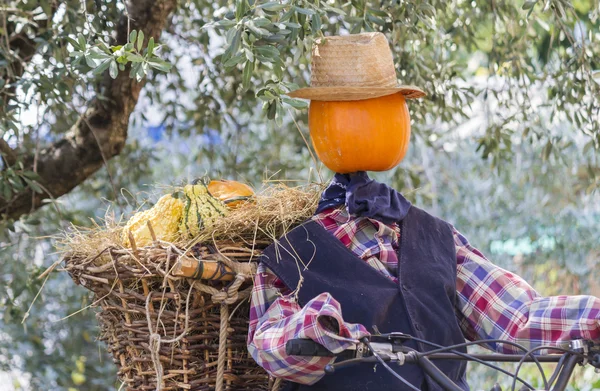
{"type": "Point", "coordinates": [364, 197]}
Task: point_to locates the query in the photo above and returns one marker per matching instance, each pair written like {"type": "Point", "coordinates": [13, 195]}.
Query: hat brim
{"type": "Point", "coordinates": [355, 93]}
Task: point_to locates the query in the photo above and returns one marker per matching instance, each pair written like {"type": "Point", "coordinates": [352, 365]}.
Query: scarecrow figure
{"type": "Point", "coordinates": [370, 261]}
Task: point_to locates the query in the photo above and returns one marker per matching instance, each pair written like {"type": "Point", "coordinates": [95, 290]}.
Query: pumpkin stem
{"type": "Point", "coordinates": [203, 180]}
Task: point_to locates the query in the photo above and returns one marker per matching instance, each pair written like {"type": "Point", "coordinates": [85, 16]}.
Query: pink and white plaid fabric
{"type": "Point", "coordinates": [492, 304]}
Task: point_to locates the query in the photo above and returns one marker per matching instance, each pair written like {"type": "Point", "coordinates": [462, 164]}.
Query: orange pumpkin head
{"type": "Point", "coordinates": [360, 135]}
{"type": "Point", "coordinates": [231, 193]}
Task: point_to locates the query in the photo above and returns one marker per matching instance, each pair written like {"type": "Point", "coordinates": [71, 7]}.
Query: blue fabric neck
{"type": "Point", "coordinates": [364, 197]}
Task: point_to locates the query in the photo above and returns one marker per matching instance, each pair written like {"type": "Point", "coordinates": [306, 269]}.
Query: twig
{"type": "Point", "coordinates": [54, 203]}
{"type": "Point", "coordinates": [128, 20]}
{"type": "Point", "coordinates": [110, 178]}
{"type": "Point", "coordinates": [90, 305]}
{"type": "Point", "coordinates": [312, 155]}
{"type": "Point", "coordinates": [50, 269]}
{"type": "Point", "coordinates": [36, 155]}
{"type": "Point", "coordinates": [34, 300]}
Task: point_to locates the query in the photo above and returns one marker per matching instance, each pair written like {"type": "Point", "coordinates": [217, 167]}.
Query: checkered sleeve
{"type": "Point", "coordinates": [275, 318]}
{"type": "Point", "coordinates": [496, 304]}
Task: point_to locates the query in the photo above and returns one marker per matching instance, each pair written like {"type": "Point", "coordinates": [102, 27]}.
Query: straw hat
{"type": "Point", "coordinates": [353, 67]}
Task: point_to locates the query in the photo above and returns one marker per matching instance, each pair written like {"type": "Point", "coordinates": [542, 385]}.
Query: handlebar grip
{"type": "Point", "coordinates": [306, 347]}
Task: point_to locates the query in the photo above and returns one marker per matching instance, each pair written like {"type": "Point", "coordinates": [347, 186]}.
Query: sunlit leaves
{"type": "Point", "coordinates": [100, 57]}
{"type": "Point", "coordinates": [260, 36]}
{"type": "Point", "coordinates": [295, 103]}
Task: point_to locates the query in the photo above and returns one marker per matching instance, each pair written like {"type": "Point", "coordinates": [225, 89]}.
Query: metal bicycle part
{"type": "Point", "coordinates": [577, 352]}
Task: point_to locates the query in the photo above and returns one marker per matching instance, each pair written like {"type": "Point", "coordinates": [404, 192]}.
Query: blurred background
{"type": "Point", "coordinates": [505, 146]}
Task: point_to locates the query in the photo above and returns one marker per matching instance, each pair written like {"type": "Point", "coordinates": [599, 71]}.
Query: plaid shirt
{"type": "Point", "coordinates": [492, 304]}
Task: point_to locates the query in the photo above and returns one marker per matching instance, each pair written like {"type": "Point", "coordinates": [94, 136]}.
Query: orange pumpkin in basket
{"type": "Point", "coordinates": [360, 135]}
{"type": "Point", "coordinates": [231, 193]}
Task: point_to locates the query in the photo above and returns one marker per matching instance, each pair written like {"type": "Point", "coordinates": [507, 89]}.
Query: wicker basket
{"type": "Point", "coordinates": [172, 333]}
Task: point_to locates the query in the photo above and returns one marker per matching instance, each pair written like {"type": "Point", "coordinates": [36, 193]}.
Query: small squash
{"type": "Point", "coordinates": [231, 193]}
{"type": "Point", "coordinates": [361, 135]}
{"type": "Point", "coordinates": [164, 217]}
{"type": "Point", "coordinates": [201, 209]}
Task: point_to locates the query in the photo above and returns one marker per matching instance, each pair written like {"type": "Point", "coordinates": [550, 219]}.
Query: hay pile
{"type": "Point", "coordinates": [167, 332]}
{"type": "Point", "coordinates": [273, 211]}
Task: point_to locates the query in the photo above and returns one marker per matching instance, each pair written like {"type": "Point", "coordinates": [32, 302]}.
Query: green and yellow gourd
{"type": "Point", "coordinates": [164, 218]}
{"type": "Point", "coordinates": [201, 209]}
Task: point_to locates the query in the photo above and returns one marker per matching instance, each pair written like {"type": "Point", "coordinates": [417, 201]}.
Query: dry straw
{"type": "Point", "coordinates": [171, 333]}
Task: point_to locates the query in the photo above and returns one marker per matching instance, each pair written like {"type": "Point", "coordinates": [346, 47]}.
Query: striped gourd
{"type": "Point", "coordinates": [201, 209]}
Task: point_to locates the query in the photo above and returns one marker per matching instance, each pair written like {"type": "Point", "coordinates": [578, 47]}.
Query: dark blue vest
{"type": "Point", "coordinates": [422, 304]}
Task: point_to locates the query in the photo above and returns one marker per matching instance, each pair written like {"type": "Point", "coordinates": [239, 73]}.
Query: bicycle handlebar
{"type": "Point", "coordinates": [306, 347]}
{"type": "Point", "coordinates": [581, 351]}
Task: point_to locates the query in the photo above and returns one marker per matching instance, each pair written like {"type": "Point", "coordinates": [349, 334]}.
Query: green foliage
{"type": "Point", "coordinates": [517, 56]}
{"type": "Point", "coordinates": [505, 145]}
{"type": "Point", "coordinates": [510, 58]}
{"type": "Point", "coordinates": [15, 179]}
{"type": "Point", "coordinates": [54, 346]}
{"type": "Point", "coordinates": [101, 56]}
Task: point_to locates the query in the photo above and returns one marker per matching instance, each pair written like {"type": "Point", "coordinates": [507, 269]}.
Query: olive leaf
{"type": "Point", "coordinates": [101, 57]}
{"type": "Point", "coordinates": [247, 74]}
